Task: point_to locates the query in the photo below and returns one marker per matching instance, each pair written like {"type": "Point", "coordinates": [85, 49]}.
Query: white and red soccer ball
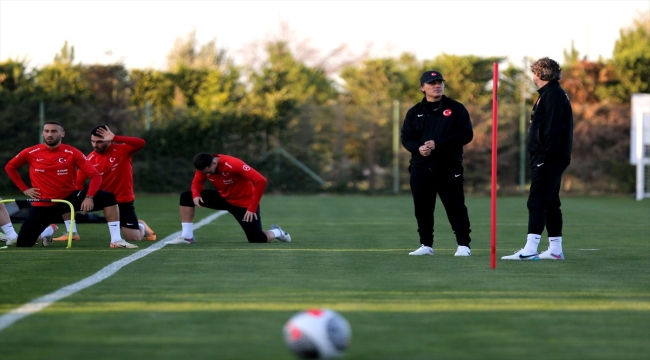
{"type": "Point", "coordinates": [317, 334]}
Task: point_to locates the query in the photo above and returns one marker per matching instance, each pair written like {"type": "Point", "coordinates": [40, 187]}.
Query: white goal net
{"type": "Point", "coordinates": [640, 143]}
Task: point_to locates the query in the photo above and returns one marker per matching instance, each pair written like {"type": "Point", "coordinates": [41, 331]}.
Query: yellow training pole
{"type": "Point", "coordinates": [52, 200]}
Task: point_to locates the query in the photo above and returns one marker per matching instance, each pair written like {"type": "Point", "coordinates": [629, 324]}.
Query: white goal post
{"type": "Point", "coordinates": [640, 143]}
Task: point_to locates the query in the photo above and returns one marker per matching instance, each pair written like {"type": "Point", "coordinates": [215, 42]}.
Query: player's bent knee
{"type": "Point", "coordinates": [186, 199]}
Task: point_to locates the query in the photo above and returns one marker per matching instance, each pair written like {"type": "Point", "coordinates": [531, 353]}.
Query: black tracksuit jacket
{"type": "Point", "coordinates": [551, 130]}
{"type": "Point", "coordinates": [448, 125]}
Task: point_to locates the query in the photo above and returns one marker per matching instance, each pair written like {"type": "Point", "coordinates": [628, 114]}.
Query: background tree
{"type": "Point", "coordinates": [631, 59]}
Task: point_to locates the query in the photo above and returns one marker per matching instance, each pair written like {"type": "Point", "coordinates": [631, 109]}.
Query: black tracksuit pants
{"type": "Point", "coordinates": [39, 217]}
{"type": "Point", "coordinates": [544, 199]}
{"type": "Point", "coordinates": [448, 184]}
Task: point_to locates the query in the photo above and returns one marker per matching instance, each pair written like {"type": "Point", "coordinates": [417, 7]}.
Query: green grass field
{"type": "Point", "coordinates": [223, 298]}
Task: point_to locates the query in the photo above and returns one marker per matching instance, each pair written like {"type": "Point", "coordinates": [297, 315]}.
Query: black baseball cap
{"type": "Point", "coordinates": [429, 76]}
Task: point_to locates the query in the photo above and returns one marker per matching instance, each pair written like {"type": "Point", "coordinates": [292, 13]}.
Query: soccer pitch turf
{"type": "Point", "coordinates": [223, 298]}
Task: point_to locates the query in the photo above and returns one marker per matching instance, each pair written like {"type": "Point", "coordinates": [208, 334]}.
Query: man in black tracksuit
{"type": "Point", "coordinates": [435, 131]}
{"type": "Point", "coordinates": [549, 144]}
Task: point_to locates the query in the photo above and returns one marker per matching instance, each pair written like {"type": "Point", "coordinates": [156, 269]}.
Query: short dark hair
{"type": "Point", "coordinates": [547, 69]}
{"type": "Point", "coordinates": [54, 123]}
{"type": "Point", "coordinates": [202, 161]}
{"type": "Point", "coordinates": [94, 131]}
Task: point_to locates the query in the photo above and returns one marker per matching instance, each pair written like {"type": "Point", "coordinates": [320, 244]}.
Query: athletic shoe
{"type": "Point", "coordinates": [123, 245]}
{"type": "Point", "coordinates": [547, 255]}
{"type": "Point", "coordinates": [11, 241]}
{"type": "Point", "coordinates": [422, 250]}
{"type": "Point", "coordinates": [519, 255]}
{"type": "Point", "coordinates": [64, 237]}
{"type": "Point", "coordinates": [3, 237]}
{"type": "Point", "coordinates": [284, 237]}
{"type": "Point", "coordinates": [149, 234]}
{"type": "Point", "coordinates": [181, 240]}
{"type": "Point", "coordinates": [463, 251]}
{"type": "Point", "coordinates": [46, 241]}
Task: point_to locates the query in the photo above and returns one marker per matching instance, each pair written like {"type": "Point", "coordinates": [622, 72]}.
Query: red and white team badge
{"type": "Point", "coordinates": [447, 112]}
{"type": "Point", "coordinates": [247, 168]}
{"type": "Point", "coordinates": [62, 160]}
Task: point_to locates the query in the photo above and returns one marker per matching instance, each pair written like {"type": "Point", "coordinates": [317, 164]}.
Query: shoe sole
{"type": "Point", "coordinates": [176, 242]}
{"type": "Point", "coordinates": [152, 236]}
{"type": "Point", "coordinates": [113, 246]}
{"type": "Point", "coordinates": [74, 238]}
{"type": "Point", "coordinates": [550, 258]}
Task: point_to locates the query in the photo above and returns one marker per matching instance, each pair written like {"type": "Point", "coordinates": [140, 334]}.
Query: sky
{"type": "Point", "coordinates": [140, 34]}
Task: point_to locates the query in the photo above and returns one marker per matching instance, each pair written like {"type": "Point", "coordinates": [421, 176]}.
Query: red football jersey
{"type": "Point", "coordinates": [116, 167]}
{"type": "Point", "coordinates": [53, 171]}
{"type": "Point", "coordinates": [238, 183]}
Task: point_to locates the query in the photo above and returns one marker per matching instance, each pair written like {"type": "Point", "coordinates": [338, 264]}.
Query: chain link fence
{"type": "Point", "coordinates": [335, 148]}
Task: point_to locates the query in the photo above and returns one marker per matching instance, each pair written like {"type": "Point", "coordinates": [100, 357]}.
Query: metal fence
{"type": "Point", "coordinates": [334, 148]}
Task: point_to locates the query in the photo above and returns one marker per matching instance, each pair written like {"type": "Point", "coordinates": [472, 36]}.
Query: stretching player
{"type": "Point", "coordinates": [10, 236]}
{"type": "Point", "coordinates": [112, 156]}
{"type": "Point", "coordinates": [239, 191]}
{"type": "Point", "coordinates": [52, 171]}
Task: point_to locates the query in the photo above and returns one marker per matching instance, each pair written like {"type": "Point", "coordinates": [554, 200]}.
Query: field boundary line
{"type": "Point", "coordinates": [42, 302]}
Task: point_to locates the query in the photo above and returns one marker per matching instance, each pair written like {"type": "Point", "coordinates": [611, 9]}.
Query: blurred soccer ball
{"type": "Point", "coordinates": [317, 334]}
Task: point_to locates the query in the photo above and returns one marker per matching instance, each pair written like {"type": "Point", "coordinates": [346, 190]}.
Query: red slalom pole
{"type": "Point", "coordinates": [493, 220]}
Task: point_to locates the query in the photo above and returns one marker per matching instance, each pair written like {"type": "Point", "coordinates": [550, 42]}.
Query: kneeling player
{"type": "Point", "coordinates": [239, 191]}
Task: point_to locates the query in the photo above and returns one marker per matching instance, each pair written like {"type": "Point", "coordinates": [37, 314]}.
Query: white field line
{"type": "Point", "coordinates": [42, 302]}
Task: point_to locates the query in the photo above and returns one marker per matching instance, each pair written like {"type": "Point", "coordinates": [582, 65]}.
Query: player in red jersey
{"type": "Point", "coordinates": [10, 236]}
{"type": "Point", "coordinates": [239, 191]}
{"type": "Point", "coordinates": [112, 158]}
{"type": "Point", "coordinates": [52, 172]}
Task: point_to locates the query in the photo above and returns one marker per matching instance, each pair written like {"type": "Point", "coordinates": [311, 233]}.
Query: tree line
{"type": "Point", "coordinates": [332, 115]}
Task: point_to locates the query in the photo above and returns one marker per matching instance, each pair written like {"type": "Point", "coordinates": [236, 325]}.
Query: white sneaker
{"type": "Point", "coordinates": [519, 255]}
{"type": "Point", "coordinates": [547, 255]}
{"type": "Point", "coordinates": [422, 250]}
{"type": "Point", "coordinates": [285, 237]}
{"type": "Point", "coordinates": [123, 244]}
{"type": "Point", "coordinates": [46, 241]}
{"type": "Point", "coordinates": [11, 241]}
{"type": "Point", "coordinates": [3, 237]}
{"type": "Point", "coordinates": [463, 251]}
{"type": "Point", "coordinates": [181, 240]}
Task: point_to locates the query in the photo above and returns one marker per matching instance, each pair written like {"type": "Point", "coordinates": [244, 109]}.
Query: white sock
{"type": "Point", "coordinates": [47, 232]}
{"type": "Point", "coordinates": [276, 232]}
{"type": "Point", "coordinates": [67, 226]}
{"type": "Point", "coordinates": [532, 240]}
{"type": "Point", "coordinates": [555, 245]}
{"type": "Point", "coordinates": [9, 230]}
{"type": "Point", "coordinates": [114, 229]}
{"type": "Point", "coordinates": [188, 230]}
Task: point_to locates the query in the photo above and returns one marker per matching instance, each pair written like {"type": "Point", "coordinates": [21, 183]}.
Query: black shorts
{"type": "Point", "coordinates": [128, 218]}
{"type": "Point", "coordinates": [39, 217]}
